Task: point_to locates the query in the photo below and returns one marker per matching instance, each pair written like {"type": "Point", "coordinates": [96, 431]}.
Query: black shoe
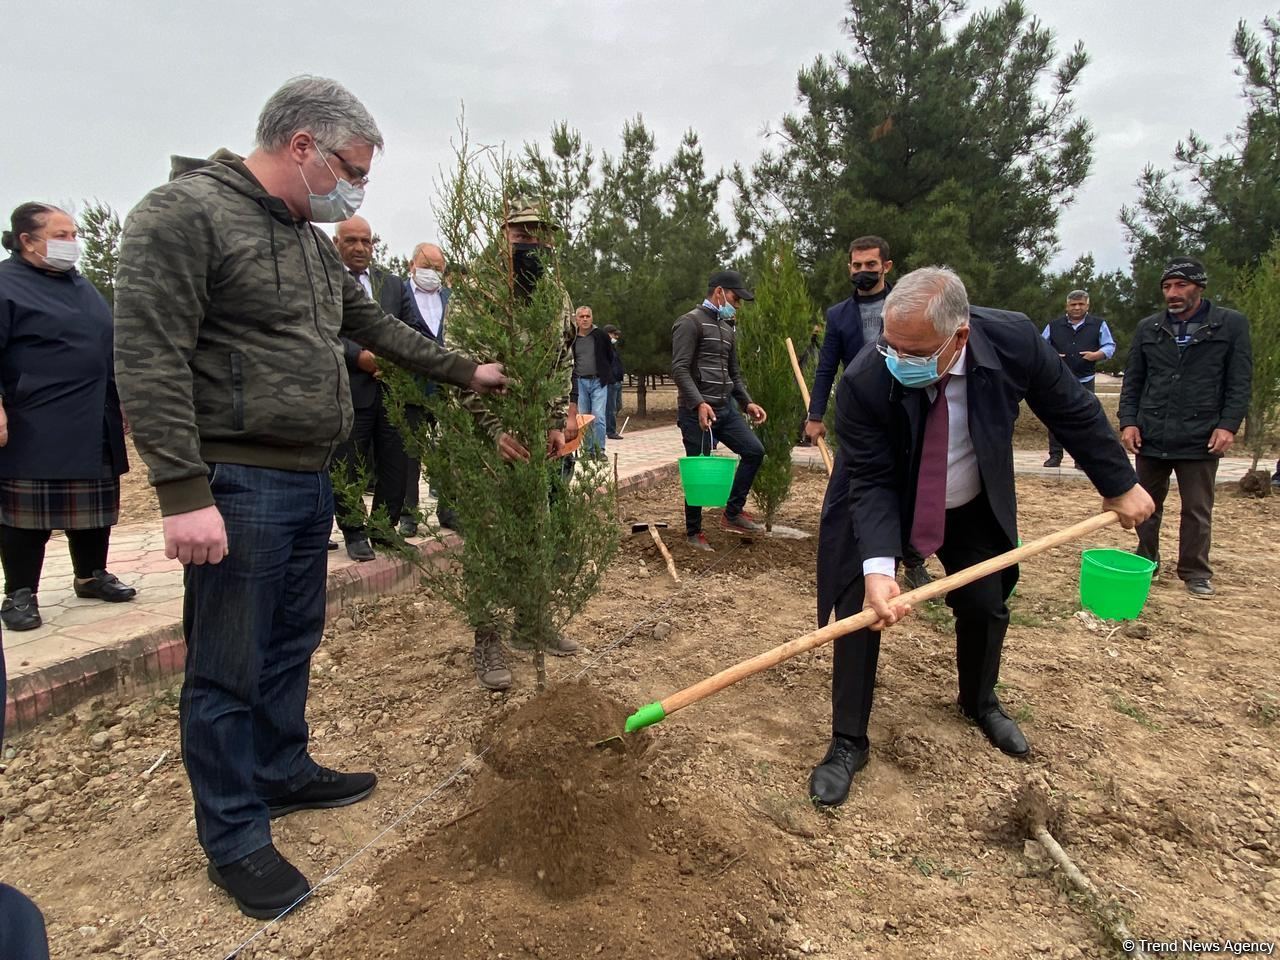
{"type": "Point", "coordinates": [333, 544]}
{"type": "Point", "coordinates": [360, 550]}
{"type": "Point", "coordinates": [917, 577]}
{"type": "Point", "coordinates": [1200, 588]}
{"type": "Point", "coordinates": [614, 436]}
{"type": "Point", "coordinates": [21, 610]}
{"type": "Point", "coordinates": [1002, 732]}
{"type": "Point", "coordinates": [829, 783]}
{"type": "Point", "coordinates": [263, 884]}
{"type": "Point", "coordinates": [329, 789]}
{"type": "Point", "coordinates": [104, 586]}
{"type": "Point", "coordinates": [408, 527]}
{"type": "Point", "coordinates": [448, 519]}
{"type": "Point", "coordinates": [1053, 462]}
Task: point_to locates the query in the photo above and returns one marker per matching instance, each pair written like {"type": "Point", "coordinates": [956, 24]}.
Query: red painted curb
{"type": "Point", "coordinates": [148, 660]}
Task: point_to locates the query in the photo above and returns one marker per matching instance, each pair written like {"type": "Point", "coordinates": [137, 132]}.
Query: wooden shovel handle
{"type": "Point", "coordinates": [804, 393]}
{"type": "Point", "coordinates": [840, 628]}
{"type": "Point", "coordinates": [666, 554]}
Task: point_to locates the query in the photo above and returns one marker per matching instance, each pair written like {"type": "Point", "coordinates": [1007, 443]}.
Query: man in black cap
{"type": "Point", "coordinates": [615, 388]}
{"type": "Point", "coordinates": [704, 365]}
{"type": "Point", "coordinates": [1186, 390]}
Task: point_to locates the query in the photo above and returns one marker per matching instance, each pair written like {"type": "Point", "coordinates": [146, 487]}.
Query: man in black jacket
{"type": "Point", "coordinates": [925, 423]}
{"type": "Point", "coordinates": [374, 439]}
{"type": "Point", "coordinates": [1186, 391]}
{"type": "Point", "coordinates": [704, 365]}
{"type": "Point", "coordinates": [592, 376]}
{"type": "Point", "coordinates": [615, 388]}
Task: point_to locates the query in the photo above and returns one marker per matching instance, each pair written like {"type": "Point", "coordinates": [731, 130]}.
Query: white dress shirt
{"type": "Point", "coordinates": [964, 482]}
{"type": "Point", "coordinates": [363, 277]}
{"type": "Point", "coordinates": [431, 306]}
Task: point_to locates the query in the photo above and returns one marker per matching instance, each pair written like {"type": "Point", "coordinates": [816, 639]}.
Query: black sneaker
{"type": "Point", "coordinates": [329, 789]}
{"type": "Point", "coordinates": [21, 610]}
{"type": "Point", "coordinates": [264, 884]}
{"type": "Point", "coordinates": [1200, 588]}
{"type": "Point", "coordinates": [1053, 462]}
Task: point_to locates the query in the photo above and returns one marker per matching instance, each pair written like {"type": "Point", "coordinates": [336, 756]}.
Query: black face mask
{"type": "Point", "coordinates": [865, 280]}
{"type": "Point", "coordinates": [526, 260]}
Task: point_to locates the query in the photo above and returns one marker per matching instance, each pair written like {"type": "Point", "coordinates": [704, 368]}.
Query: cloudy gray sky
{"type": "Point", "coordinates": [100, 94]}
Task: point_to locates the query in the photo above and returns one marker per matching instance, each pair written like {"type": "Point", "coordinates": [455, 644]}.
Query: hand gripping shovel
{"type": "Point", "coordinates": [659, 710]}
{"type": "Point", "coordinates": [804, 395]}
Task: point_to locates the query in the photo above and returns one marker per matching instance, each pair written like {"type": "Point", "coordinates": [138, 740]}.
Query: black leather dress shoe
{"type": "Point", "coordinates": [104, 586]}
{"type": "Point", "coordinates": [21, 610]}
{"type": "Point", "coordinates": [360, 550]}
{"type": "Point", "coordinates": [1002, 732]}
{"type": "Point", "coordinates": [829, 783]}
{"type": "Point", "coordinates": [329, 789]}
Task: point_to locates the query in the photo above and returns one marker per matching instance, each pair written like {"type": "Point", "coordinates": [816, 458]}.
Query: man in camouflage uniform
{"type": "Point", "coordinates": [230, 307]}
{"type": "Point", "coordinates": [531, 236]}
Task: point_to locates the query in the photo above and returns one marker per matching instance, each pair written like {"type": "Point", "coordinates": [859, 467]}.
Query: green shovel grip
{"type": "Point", "coordinates": [646, 716]}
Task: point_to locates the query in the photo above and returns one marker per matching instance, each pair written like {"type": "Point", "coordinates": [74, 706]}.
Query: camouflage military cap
{"type": "Point", "coordinates": [526, 212]}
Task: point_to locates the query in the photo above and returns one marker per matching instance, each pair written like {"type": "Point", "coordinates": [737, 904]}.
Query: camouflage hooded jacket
{"type": "Point", "coordinates": [228, 317]}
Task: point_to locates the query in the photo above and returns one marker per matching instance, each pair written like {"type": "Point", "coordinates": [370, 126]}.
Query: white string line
{"type": "Point", "coordinates": [470, 761]}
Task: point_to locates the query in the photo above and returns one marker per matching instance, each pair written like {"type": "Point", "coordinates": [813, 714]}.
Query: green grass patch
{"type": "Point", "coordinates": [1121, 705]}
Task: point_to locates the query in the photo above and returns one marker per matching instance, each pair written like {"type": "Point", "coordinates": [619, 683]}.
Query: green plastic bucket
{"type": "Point", "coordinates": [1114, 584]}
{"type": "Point", "coordinates": [707, 480]}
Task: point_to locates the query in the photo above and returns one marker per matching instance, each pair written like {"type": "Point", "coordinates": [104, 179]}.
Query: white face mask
{"type": "Point", "coordinates": [426, 279]}
{"type": "Point", "coordinates": [340, 203]}
{"type": "Point", "coordinates": [61, 255]}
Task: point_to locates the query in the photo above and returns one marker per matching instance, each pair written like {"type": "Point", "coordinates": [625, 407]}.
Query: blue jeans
{"type": "Point", "coordinates": [593, 397]}
{"type": "Point", "coordinates": [615, 404]}
{"type": "Point", "coordinates": [731, 429]}
{"type": "Point", "coordinates": [252, 623]}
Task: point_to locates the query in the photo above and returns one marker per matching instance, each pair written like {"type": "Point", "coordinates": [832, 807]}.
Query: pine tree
{"type": "Point", "coordinates": [537, 541]}
{"type": "Point", "coordinates": [99, 229]}
{"type": "Point", "coordinates": [782, 309]}
{"type": "Point", "coordinates": [1258, 295]}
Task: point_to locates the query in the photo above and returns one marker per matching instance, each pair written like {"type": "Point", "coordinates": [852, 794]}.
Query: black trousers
{"type": "Point", "coordinates": [1055, 448]}
{"type": "Point", "coordinates": [972, 535]}
{"type": "Point", "coordinates": [22, 554]}
{"type": "Point", "coordinates": [373, 437]}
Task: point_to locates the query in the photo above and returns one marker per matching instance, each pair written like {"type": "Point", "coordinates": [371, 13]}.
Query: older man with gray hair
{"type": "Point", "coordinates": [230, 307]}
{"type": "Point", "coordinates": [1082, 340]}
{"type": "Point", "coordinates": [925, 422]}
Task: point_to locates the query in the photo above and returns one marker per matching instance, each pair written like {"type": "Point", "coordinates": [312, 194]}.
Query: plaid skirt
{"type": "Point", "coordinates": [60, 504]}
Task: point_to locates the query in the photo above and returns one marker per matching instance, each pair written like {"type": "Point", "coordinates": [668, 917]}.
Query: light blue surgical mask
{"type": "Point", "coordinates": [913, 372]}
{"type": "Point", "coordinates": [340, 203]}
{"type": "Point", "coordinates": [727, 310]}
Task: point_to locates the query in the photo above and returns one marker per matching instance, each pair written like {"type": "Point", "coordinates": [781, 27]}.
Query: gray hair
{"type": "Point", "coordinates": [324, 108]}
{"type": "Point", "coordinates": [1078, 295]}
{"type": "Point", "coordinates": [934, 292]}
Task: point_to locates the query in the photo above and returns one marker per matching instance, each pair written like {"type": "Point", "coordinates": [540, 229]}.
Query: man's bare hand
{"type": "Point", "coordinates": [756, 413]}
{"type": "Point", "coordinates": [512, 449]}
{"type": "Point", "coordinates": [555, 443]}
{"type": "Point", "coordinates": [1131, 439]}
{"type": "Point", "coordinates": [489, 379]}
{"type": "Point", "coordinates": [196, 537]}
{"type": "Point", "coordinates": [706, 416]}
{"type": "Point", "coordinates": [814, 430]}
{"type": "Point", "coordinates": [571, 424]}
{"type": "Point", "coordinates": [1220, 442]}
{"type": "Point", "coordinates": [1133, 507]}
{"type": "Point", "coordinates": [1093, 356]}
{"type": "Point", "coordinates": [879, 596]}
{"type": "Point", "coordinates": [4, 425]}
{"type": "Point", "coordinates": [367, 362]}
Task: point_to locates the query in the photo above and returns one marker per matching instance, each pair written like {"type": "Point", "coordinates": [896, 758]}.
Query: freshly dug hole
{"type": "Point", "coordinates": [556, 812]}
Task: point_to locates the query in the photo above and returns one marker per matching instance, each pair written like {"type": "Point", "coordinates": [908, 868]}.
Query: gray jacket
{"type": "Point", "coordinates": [704, 360]}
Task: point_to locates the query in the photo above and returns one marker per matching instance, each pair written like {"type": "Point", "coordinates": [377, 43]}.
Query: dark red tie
{"type": "Point", "coordinates": [930, 519]}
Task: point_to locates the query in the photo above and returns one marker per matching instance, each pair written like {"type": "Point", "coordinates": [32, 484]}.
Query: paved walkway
{"type": "Point", "coordinates": [87, 647]}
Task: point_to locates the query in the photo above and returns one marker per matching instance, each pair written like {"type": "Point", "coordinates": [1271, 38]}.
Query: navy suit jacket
{"type": "Point", "coordinates": [388, 291]}
{"type": "Point", "coordinates": [880, 424]}
{"type": "Point", "coordinates": [420, 324]}
{"type": "Point", "coordinates": [841, 342]}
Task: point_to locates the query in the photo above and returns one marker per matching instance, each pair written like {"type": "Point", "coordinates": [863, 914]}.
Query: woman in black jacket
{"type": "Point", "coordinates": [61, 431]}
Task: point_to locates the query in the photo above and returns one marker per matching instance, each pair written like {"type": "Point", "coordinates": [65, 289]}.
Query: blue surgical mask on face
{"type": "Point", "coordinates": [727, 310]}
{"type": "Point", "coordinates": [913, 372]}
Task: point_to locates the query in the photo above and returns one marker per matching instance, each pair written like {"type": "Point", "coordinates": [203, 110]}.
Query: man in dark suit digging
{"type": "Point", "coordinates": [925, 422]}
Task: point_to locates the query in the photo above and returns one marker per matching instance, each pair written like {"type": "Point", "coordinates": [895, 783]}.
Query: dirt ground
{"type": "Point", "coordinates": [497, 832]}
{"type": "Point", "coordinates": [137, 499]}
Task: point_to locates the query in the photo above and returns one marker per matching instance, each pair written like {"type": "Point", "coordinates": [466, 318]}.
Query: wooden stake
{"type": "Point", "coordinates": [804, 393]}
{"type": "Point", "coordinates": [666, 554]}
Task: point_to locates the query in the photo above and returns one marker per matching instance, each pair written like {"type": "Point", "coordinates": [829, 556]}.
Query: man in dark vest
{"type": "Point", "coordinates": [1081, 340]}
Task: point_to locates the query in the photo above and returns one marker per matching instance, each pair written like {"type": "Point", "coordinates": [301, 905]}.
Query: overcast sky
{"type": "Point", "coordinates": [100, 94]}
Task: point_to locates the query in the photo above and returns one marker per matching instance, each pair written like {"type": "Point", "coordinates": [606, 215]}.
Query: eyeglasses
{"type": "Point", "coordinates": [885, 349]}
{"type": "Point", "coordinates": [356, 177]}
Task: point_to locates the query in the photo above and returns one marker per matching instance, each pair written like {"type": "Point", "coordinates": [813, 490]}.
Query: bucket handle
{"type": "Point", "coordinates": [713, 444]}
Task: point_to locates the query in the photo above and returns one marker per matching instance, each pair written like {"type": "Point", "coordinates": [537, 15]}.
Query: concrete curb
{"type": "Point", "coordinates": [149, 661]}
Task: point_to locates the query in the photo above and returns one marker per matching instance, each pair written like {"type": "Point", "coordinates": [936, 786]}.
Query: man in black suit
{"type": "Point", "coordinates": [925, 422]}
{"type": "Point", "coordinates": [374, 440]}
